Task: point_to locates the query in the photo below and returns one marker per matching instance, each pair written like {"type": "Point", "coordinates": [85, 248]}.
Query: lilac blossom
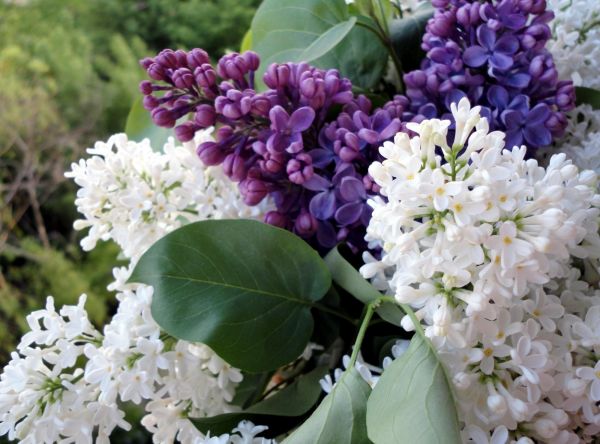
{"type": "Point", "coordinates": [283, 142]}
{"type": "Point", "coordinates": [494, 54]}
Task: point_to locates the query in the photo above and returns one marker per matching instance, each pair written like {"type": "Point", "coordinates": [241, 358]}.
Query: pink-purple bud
{"type": "Point", "coordinates": [306, 225]}
{"type": "Point", "coordinates": [186, 131]}
{"type": "Point", "coordinates": [253, 191]}
{"type": "Point", "coordinates": [234, 167]}
{"type": "Point", "coordinates": [205, 116]}
{"type": "Point", "coordinates": [196, 58]}
{"type": "Point", "coordinates": [210, 153]}
{"type": "Point", "coordinates": [146, 87]}
{"type": "Point", "coordinates": [276, 219]}
{"type": "Point", "coordinates": [183, 78]}
{"type": "Point", "coordinates": [163, 117]}
{"type": "Point", "coordinates": [277, 76]}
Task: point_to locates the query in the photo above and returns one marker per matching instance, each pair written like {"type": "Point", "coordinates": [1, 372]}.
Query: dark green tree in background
{"type": "Point", "coordinates": [70, 72]}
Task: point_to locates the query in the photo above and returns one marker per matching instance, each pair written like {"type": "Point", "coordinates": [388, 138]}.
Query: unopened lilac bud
{"type": "Point", "coordinates": [163, 117]}
{"type": "Point", "coordinates": [196, 58]}
{"type": "Point", "coordinates": [277, 76]}
{"type": "Point", "coordinates": [276, 219]}
{"type": "Point", "coordinates": [228, 108]}
{"type": "Point", "coordinates": [156, 71]}
{"type": "Point", "coordinates": [273, 162]}
{"type": "Point", "coordinates": [205, 116]}
{"type": "Point", "coordinates": [300, 169]}
{"type": "Point", "coordinates": [186, 131]}
{"type": "Point", "coordinates": [306, 225]}
{"type": "Point", "coordinates": [308, 87]}
{"type": "Point", "coordinates": [253, 191]}
{"type": "Point", "coordinates": [234, 167]}
{"type": "Point", "coordinates": [259, 147]}
{"type": "Point", "coordinates": [415, 79]}
{"type": "Point", "coordinates": [146, 62]}
{"type": "Point", "coordinates": [146, 87]}
{"type": "Point", "coordinates": [260, 105]}
{"type": "Point", "coordinates": [252, 60]}
{"type": "Point", "coordinates": [183, 78]}
{"type": "Point", "coordinates": [210, 153]}
{"type": "Point", "coordinates": [167, 58]}
{"type": "Point", "coordinates": [205, 75]}
{"type": "Point", "coordinates": [150, 102]}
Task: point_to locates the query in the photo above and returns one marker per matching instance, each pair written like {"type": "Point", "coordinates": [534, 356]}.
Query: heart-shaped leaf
{"type": "Point", "coordinates": [242, 287]}
{"type": "Point", "coordinates": [412, 401]}
{"type": "Point", "coordinates": [346, 276]}
{"type": "Point", "coordinates": [140, 126]}
{"type": "Point", "coordinates": [340, 418]}
{"type": "Point", "coordinates": [291, 402]}
{"type": "Point", "coordinates": [283, 30]}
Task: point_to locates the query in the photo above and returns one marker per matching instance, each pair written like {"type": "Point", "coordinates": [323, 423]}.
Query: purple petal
{"type": "Point", "coordinates": [279, 118]}
{"type": "Point", "coordinates": [349, 213]}
{"type": "Point", "coordinates": [322, 205]}
{"type": "Point", "coordinates": [514, 138]}
{"type": "Point", "coordinates": [326, 234]}
{"type": "Point", "coordinates": [539, 114]}
{"type": "Point", "coordinates": [537, 135]}
{"type": "Point", "coordinates": [501, 61]}
{"type": "Point", "coordinates": [486, 37]}
{"type": "Point", "coordinates": [512, 119]}
{"type": "Point", "coordinates": [507, 44]}
{"type": "Point", "coordinates": [440, 55]}
{"type": "Point", "coordinates": [498, 97]}
{"type": "Point", "coordinates": [317, 183]}
{"type": "Point", "coordinates": [301, 119]}
{"type": "Point", "coordinates": [520, 103]}
{"type": "Point", "coordinates": [390, 131]}
{"type": "Point", "coordinates": [351, 189]}
{"type": "Point", "coordinates": [519, 80]}
{"type": "Point", "coordinates": [277, 143]}
{"type": "Point", "coordinates": [368, 135]}
{"type": "Point", "coordinates": [321, 157]}
{"type": "Point", "coordinates": [475, 56]}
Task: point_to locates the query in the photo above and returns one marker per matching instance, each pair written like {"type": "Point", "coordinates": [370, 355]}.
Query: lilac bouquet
{"type": "Point", "coordinates": [333, 237]}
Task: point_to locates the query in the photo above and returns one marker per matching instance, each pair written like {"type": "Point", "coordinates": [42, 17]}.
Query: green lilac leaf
{"type": "Point", "coordinates": [412, 401]}
{"type": "Point", "coordinates": [347, 277]}
{"type": "Point", "coordinates": [282, 30]}
{"type": "Point", "coordinates": [340, 418]}
{"type": "Point", "coordinates": [277, 411]}
{"type": "Point", "coordinates": [328, 40]}
{"type": "Point", "coordinates": [407, 34]}
{"type": "Point", "coordinates": [242, 287]}
{"type": "Point", "coordinates": [587, 96]}
{"type": "Point", "coordinates": [140, 126]}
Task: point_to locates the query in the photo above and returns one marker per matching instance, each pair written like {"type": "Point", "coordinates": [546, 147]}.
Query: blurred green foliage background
{"type": "Point", "coordinates": [69, 72]}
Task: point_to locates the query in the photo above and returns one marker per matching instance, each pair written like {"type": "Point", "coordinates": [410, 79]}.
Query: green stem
{"type": "Point", "coordinates": [371, 307]}
{"type": "Point", "coordinates": [333, 312]}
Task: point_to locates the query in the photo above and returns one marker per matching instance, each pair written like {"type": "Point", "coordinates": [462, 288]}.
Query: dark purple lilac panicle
{"type": "Point", "coordinates": [492, 52]}
{"type": "Point", "coordinates": [283, 142]}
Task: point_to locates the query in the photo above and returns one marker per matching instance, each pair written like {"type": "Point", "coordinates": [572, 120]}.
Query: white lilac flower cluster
{"type": "Point", "coordinates": [134, 195]}
{"type": "Point", "coordinates": [575, 45]}
{"type": "Point", "coordinates": [576, 50]}
{"type": "Point", "coordinates": [487, 247]}
{"type": "Point", "coordinates": [68, 381]}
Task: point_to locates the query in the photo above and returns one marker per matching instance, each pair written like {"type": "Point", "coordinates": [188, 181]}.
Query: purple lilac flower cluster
{"type": "Point", "coordinates": [494, 53]}
{"type": "Point", "coordinates": [306, 141]}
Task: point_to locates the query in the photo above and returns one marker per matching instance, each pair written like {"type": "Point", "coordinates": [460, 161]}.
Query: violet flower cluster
{"type": "Point", "coordinates": [306, 141]}
{"type": "Point", "coordinates": [494, 54]}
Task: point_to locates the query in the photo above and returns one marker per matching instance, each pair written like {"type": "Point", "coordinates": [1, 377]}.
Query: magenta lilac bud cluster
{"type": "Point", "coordinates": [283, 142]}
{"type": "Point", "coordinates": [494, 53]}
